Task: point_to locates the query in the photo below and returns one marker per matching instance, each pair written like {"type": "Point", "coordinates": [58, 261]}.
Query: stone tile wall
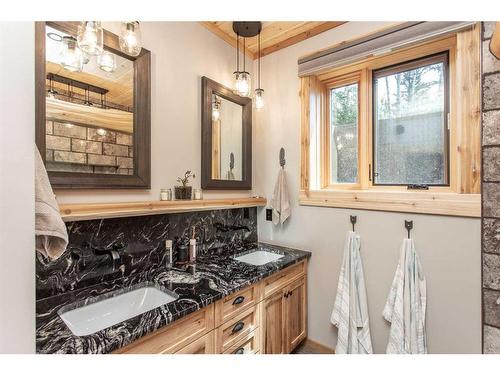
{"type": "Point", "coordinates": [77, 148]}
{"type": "Point", "coordinates": [491, 194]}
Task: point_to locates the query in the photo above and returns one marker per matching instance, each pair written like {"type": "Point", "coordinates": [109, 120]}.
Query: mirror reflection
{"type": "Point", "coordinates": [227, 139]}
{"type": "Point", "coordinates": [89, 108]}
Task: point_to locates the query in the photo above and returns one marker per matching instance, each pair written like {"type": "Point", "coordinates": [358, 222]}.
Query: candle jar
{"type": "Point", "coordinates": [165, 194]}
{"type": "Point", "coordinates": [198, 194]}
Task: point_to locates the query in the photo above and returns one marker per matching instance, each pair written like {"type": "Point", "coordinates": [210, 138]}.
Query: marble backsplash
{"type": "Point", "coordinates": [140, 244]}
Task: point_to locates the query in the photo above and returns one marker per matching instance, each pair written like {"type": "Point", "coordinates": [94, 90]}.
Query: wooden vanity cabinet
{"type": "Point", "coordinates": [295, 311]}
{"type": "Point", "coordinates": [268, 317]}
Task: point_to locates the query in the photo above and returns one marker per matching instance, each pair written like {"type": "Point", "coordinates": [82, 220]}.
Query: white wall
{"type": "Point", "coordinates": [182, 52]}
{"type": "Point", "coordinates": [449, 247]}
{"type": "Point", "coordinates": [17, 137]}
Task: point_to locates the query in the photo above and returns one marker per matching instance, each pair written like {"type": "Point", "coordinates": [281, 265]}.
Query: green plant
{"type": "Point", "coordinates": [185, 180]}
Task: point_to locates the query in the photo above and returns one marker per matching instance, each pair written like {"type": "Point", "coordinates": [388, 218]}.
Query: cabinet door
{"type": "Point", "coordinates": [272, 315]}
{"type": "Point", "coordinates": [295, 314]}
{"type": "Point", "coordinates": [204, 345]}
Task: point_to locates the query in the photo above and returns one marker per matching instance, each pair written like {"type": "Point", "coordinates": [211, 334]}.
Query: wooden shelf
{"type": "Point", "coordinates": [91, 211]}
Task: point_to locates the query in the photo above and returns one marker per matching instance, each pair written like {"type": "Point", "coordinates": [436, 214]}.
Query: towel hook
{"type": "Point", "coordinates": [282, 157]}
{"type": "Point", "coordinates": [353, 221]}
{"type": "Point", "coordinates": [409, 226]}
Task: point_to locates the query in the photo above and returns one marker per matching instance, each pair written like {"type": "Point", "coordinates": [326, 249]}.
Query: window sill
{"type": "Point", "coordinates": [422, 202]}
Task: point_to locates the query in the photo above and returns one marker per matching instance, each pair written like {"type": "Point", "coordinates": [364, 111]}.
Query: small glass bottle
{"type": "Point", "coordinates": [165, 194]}
{"type": "Point", "coordinates": [198, 194]}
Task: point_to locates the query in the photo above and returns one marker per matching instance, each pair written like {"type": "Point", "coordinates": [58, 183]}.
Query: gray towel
{"type": "Point", "coordinates": [50, 231]}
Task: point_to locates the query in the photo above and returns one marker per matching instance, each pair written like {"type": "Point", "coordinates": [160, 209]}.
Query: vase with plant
{"type": "Point", "coordinates": [184, 191]}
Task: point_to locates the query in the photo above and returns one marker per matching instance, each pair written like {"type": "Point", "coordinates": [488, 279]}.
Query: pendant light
{"type": "Point", "coordinates": [130, 38]}
{"type": "Point", "coordinates": [90, 37]}
{"type": "Point", "coordinates": [107, 62]}
{"type": "Point", "coordinates": [244, 81]}
{"type": "Point", "coordinates": [71, 55]}
{"type": "Point", "coordinates": [236, 73]}
{"type": "Point", "coordinates": [244, 30]}
{"type": "Point", "coordinates": [259, 93]}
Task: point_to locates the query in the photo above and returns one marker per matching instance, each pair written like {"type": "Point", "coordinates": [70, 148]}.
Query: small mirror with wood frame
{"type": "Point", "coordinates": [226, 146]}
{"type": "Point", "coordinates": [93, 112]}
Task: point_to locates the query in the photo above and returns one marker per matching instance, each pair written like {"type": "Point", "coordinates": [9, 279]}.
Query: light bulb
{"type": "Point", "coordinates": [130, 38]}
{"type": "Point", "coordinates": [107, 62]}
{"type": "Point", "coordinates": [216, 104]}
{"type": "Point", "coordinates": [101, 131]}
{"type": "Point", "coordinates": [215, 114]}
{"type": "Point", "coordinates": [259, 99]}
{"type": "Point", "coordinates": [243, 84]}
{"type": "Point", "coordinates": [89, 37]}
{"type": "Point", "coordinates": [71, 55]}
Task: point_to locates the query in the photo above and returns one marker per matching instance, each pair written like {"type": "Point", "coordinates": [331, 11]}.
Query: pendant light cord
{"type": "Point", "coordinates": [259, 61]}
{"type": "Point", "coordinates": [244, 54]}
{"type": "Point", "coordinates": [237, 52]}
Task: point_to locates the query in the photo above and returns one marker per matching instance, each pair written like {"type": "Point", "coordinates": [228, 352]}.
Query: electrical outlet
{"type": "Point", "coordinates": [269, 214]}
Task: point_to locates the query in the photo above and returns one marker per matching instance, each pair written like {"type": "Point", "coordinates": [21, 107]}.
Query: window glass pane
{"type": "Point", "coordinates": [410, 132]}
{"type": "Point", "coordinates": [344, 134]}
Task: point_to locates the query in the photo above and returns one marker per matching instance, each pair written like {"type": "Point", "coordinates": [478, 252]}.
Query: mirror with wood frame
{"type": "Point", "coordinates": [92, 112]}
{"type": "Point", "coordinates": [226, 138]}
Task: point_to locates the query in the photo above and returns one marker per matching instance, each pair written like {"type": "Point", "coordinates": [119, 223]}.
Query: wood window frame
{"type": "Point", "coordinates": [441, 57]}
{"type": "Point", "coordinates": [460, 198]}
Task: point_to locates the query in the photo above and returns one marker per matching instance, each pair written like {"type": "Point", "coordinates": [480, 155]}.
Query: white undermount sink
{"type": "Point", "coordinates": [258, 257]}
{"type": "Point", "coordinates": [99, 315]}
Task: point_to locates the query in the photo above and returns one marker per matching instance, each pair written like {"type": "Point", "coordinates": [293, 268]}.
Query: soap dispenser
{"type": "Point", "coordinates": [192, 246]}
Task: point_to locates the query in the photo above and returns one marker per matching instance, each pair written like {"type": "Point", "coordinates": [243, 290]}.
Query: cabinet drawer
{"type": "Point", "coordinates": [232, 305]}
{"type": "Point", "coordinates": [175, 336]}
{"type": "Point", "coordinates": [248, 345]}
{"type": "Point", "coordinates": [278, 281]}
{"type": "Point", "coordinates": [203, 345]}
{"type": "Point", "coordinates": [231, 332]}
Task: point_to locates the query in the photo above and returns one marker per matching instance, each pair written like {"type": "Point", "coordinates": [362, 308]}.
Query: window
{"type": "Point", "coordinates": [396, 132]}
{"type": "Point", "coordinates": [410, 119]}
{"type": "Point", "coordinates": [344, 134]}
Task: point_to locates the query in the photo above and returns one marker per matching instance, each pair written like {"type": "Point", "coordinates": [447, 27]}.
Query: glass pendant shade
{"type": "Point", "coordinates": [243, 84]}
{"type": "Point", "coordinates": [259, 99]}
{"type": "Point", "coordinates": [71, 55]}
{"type": "Point", "coordinates": [107, 62]}
{"type": "Point", "coordinates": [89, 37]}
{"type": "Point", "coordinates": [130, 38]}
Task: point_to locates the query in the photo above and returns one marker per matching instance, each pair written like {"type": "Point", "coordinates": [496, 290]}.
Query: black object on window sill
{"type": "Point", "coordinates": [418, 187]}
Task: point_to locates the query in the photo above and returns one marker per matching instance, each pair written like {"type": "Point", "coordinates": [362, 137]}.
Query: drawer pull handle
{"type": "Point", "coordinates": [239, 351]}
{"type": "Point", "coordinates": [238, 327]}
{"type": "Point", "coordinates": [238, 300]}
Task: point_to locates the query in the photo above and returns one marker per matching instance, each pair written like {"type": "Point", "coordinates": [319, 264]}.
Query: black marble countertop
{"type": "Point", "coordinates": [213, 277]}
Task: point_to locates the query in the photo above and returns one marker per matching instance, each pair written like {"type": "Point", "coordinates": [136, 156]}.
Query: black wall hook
{"type": "Point", "coordinates": [282, 157]}
{"type": "Point", "coordinates": [409, 226]}
{"type": "Point", "coordinates": [353, 221]}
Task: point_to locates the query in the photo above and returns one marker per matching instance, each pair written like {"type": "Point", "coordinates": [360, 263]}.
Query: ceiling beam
{"type": "Point", "coordinates": [301, 37]}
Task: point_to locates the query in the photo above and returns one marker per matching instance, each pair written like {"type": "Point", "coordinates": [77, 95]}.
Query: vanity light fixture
{"type": "Point", "coordinates": [107, 62]}
{"type": "Point", "coordinates": [130, 38]}
{"type": "Point", "coordinates": [87, 98]}
{"type": "Point", "coordinates": [71, 55]}
{"type": "Point", "coordinates": [51, 93]}
{"type": "Point", "coordinates": [216, 107]}
{"type": "Point", "coordinates": [90, 37]}
{"type": "Point", "coordinates": [259, 93]}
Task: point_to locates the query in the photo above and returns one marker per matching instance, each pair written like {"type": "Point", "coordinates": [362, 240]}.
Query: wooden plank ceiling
{"type": "Point", "coordinates": [274, 35]}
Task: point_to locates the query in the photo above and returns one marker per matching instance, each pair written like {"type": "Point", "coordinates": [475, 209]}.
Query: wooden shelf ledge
{"type": "Point", "coordinates": [91, 211]}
